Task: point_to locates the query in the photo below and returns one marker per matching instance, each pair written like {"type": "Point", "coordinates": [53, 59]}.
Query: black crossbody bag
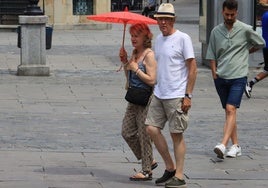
{"type": "Point", "coordinates": [139, 96]}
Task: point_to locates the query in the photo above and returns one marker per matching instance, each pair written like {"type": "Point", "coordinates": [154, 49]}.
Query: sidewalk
{"type": "Point", "coordinates": [63, 131]}
{"type": "Point", "coordinates": [187, 11]}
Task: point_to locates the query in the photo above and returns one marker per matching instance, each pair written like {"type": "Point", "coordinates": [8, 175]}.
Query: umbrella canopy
{"type": "Point", "coordinates": [124, 17]}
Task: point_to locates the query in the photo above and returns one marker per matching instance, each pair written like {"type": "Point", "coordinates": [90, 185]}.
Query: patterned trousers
{"type": "Point", "coordinates": [134, 133]}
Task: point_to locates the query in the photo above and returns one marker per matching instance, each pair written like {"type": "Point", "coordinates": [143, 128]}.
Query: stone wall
{"type": "Point", "coordinates": [60, 14]}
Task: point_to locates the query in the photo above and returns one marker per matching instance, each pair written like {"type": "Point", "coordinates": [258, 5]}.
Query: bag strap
{"type": "Point", "coordinates": [146, 54]}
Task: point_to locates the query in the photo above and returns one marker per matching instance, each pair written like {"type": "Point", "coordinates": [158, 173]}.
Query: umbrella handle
{"type": "Point", "coordinates": [124, 33]}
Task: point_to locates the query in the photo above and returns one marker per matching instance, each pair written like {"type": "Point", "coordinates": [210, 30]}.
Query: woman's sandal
{"type": "Point", "coordinates": [154, 165]}
{"type": "Point", "coordinates": [142, 176]}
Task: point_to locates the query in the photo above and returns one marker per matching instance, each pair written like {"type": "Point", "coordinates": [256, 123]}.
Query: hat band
{"type": "Point", "coordinates": [165, 13]}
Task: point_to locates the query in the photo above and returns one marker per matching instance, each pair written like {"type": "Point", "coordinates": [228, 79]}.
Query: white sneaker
{"type": "Point", "coordinates": [234, 151]}
{"type": "Point", "coordinates": [248, 90]}
{"type": "Point", "coordinates": [220, 150]}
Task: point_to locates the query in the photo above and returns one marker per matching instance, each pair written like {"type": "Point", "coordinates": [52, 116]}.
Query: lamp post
{"type": "Point", "coordinates": [33, 8]}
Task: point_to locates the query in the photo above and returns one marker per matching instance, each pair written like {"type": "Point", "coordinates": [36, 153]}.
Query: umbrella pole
{"type": "Point", "coordinates": [123, 44]}
{"type": "Point", "coordinates": [124, 33]}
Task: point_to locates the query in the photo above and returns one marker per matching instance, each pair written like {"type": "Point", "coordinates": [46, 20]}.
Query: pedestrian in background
{"type": "Point", "coordinates": [140, 71]}
{"type": "Point", "coordinates": [176, 75]}
{"type": "Point", "coordinates": [151, 5]}
{"type": "Point", "coordinates": [229, 46]}
{"type": "Point", "coordinates": [264, 73]}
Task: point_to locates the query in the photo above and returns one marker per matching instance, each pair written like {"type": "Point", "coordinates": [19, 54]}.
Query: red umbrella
{"type": "Point", "coordinates": [124, 17]}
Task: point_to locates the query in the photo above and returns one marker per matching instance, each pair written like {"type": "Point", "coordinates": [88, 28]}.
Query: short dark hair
{"type": "Point", "coordinates": [230, 4]}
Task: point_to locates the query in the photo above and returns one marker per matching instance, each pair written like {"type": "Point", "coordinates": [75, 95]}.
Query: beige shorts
{"type": "Point", "coordinates": [167, 110]}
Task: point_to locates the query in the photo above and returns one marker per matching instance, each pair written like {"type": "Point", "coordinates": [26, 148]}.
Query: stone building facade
{"type": "Point", "coordinates": [66, 14]}
{"type": "Point", "coordinates": [72, 14]}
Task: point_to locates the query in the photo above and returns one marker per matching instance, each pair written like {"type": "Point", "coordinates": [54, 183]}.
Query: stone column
{"type": "Point", "coordinates": [33, 46]}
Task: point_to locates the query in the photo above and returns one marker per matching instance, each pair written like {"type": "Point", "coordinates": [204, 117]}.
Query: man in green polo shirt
{"type": "Point", "coordinates": [229, 46]}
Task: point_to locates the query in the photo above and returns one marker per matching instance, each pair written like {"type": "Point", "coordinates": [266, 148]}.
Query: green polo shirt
{"type": "Point", "coordinates": [230, 49]}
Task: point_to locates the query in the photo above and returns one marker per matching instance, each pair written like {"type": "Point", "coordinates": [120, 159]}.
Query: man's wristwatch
{"type": "Point", "coordinates": [188, 95]}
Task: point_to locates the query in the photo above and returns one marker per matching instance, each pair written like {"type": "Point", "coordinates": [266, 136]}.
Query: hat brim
{"type": "Point", "coordinates": [163, 16]}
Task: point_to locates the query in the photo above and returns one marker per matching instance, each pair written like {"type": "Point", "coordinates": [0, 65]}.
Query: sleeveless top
{"type": "Point", "coordinates": [134, 80]}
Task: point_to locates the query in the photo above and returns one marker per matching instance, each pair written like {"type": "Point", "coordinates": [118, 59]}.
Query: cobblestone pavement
{"type": "Point", "coordinates": [63, 131]}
